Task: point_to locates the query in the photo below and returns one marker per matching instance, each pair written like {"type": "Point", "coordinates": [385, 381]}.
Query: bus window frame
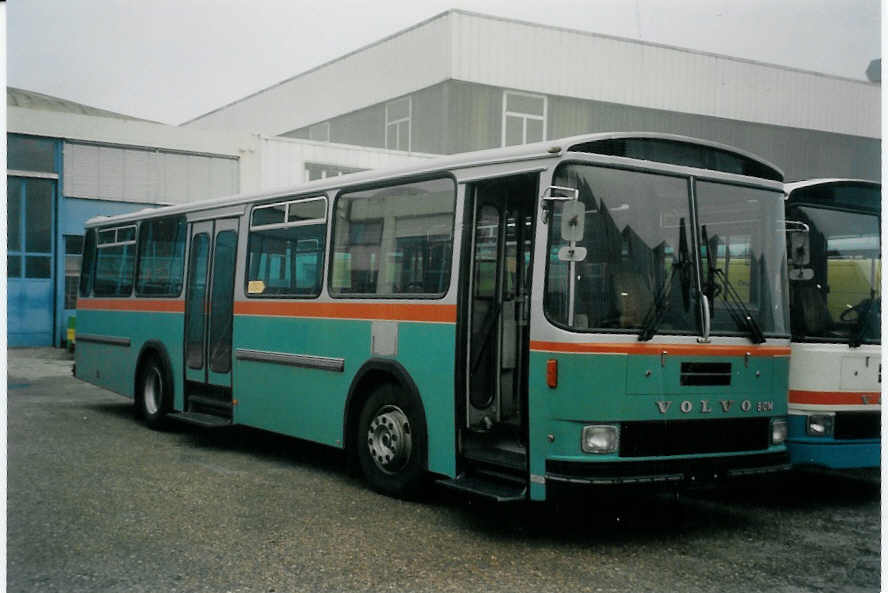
{"type": "Point", "coordinates": [283, 225]}
{"type": "Point", "coordinates": [138, 264]}
{"type": "Point", "coordinates": [393, 182]}
{"type": "Point", "coordinates": [99, 245]}
{"type": "Point", "coordinates": [819, 206]}
{"type": "Point", "coordinates": [90, 251]}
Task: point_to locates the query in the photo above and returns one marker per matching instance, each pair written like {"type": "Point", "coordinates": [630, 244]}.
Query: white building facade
{"type": "Point", "coordinates": [462, 81]}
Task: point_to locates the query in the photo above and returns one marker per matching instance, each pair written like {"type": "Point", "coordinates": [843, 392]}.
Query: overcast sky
{"type": "Point", "coordinates": [172, 60]}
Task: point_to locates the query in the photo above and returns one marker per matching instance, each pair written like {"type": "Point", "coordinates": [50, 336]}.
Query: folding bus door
{"type": "Point", "coordinates": [209, 302]}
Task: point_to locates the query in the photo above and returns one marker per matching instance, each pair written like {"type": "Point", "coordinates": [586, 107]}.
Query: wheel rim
{"type": "Point", "coordinates": [151, 392]}
{"type": "Point", "coordinates": [389, 439]}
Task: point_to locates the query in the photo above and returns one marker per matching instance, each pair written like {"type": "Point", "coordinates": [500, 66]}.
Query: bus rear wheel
{"type": "Point", "coordinates": [391, 442]}
{"type": "Point", "coordinates": [152, 399]}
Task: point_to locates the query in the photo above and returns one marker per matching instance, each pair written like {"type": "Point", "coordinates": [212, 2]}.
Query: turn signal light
{"type": "Point", "coordinates": [552, 373]}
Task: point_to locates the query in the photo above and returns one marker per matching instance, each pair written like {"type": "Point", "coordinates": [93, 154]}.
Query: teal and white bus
{"type": "Point", "coordinates": [599, 310]}
{"type": "Point", "coordinates": [835, 274]}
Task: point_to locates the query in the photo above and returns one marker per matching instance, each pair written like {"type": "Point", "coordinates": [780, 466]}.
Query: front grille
{"type": "Point", "coordinates": [857, 425]}
{"type": "Point", "coordinates": [688, 437]}
{"type": "Point", "coordinates": [705, 373]}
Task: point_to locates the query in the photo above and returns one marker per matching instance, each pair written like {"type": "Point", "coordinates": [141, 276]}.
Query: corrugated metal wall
{"type": "Point", "coordinates": [144, 175]}
{"type": "Point", "coordinates": [552, 61]}
{"type": "Point", "coordinates": [459, 117]}
{"type": "Point", "coordinates": [284, 160]}
{"type": "Point", "coordinates": [575, 64]}
{"type": "Point", "coordinates": [366, 127]}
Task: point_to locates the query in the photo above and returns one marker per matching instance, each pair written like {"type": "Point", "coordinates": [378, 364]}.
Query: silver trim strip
{"type": "Point", "coordinates": [308, 361]}
{"type": "Point", "coordinates": [215, 213]}
{"type": "Point", "coordinates": [101, 339]}
{"type": "Point", "coordinates": [33, 174]}
{"type": "Point", "coordinates": [616, 479]}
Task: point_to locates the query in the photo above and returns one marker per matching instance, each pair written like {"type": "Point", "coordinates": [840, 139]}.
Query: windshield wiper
{"type": "Point", "coordinates": [654, 316]}
{"type": "Point", "coordinates": [737, 309]}
{"type": "Point", "coordinates": [734, 303]}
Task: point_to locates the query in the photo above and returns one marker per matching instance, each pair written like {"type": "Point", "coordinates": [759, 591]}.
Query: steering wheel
{"type": "Point", "coordinates": [414, 287]}
{"type": "Point", "coordinates": [861, 308]}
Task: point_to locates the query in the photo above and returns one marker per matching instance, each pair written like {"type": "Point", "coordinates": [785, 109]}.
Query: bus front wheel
{"type": "Point", "coordinates": [153, 396]}
{"type": "Point", "coordinates": [391, 442]}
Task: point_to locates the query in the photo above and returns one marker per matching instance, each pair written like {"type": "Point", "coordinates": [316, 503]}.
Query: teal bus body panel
{"type": "Point", "coordinates": [113, 367]}
{"type": "Point", "coordinates": [309, 403]}
{"type": "Point", "coordinates": [607, 388]}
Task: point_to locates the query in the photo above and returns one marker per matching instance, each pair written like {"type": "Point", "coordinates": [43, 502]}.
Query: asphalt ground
{"type": "Point", "coordinates": [98, 502]}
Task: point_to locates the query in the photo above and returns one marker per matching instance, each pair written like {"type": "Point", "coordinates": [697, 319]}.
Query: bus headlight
{"type": "Point", "coordinates": [778, 431]}
{"type": "Point", "coordinates": [600, 438]}
{"type": "Point", "coordinates": [819, 425]}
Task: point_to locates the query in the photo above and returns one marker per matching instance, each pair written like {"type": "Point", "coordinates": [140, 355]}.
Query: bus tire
{"type": "Point", "coordinates": [154, 393]}
{"type": "Point", "coordinates": [391, 442]}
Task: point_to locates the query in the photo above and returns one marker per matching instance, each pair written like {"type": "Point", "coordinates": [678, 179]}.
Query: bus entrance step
{"type": "Point", "coordinates": [210, 402]}
{"type": "Point", "coordinates": [205, 420]}
{"type": "Point", "coordinates": [487, 488]}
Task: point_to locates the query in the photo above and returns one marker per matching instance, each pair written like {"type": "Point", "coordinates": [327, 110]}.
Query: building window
{"type": "Point", "coordinates": [29, 211]}
{"type": "Point", "coordinates": [397, 124]}
{"type": "Point", "coordinates": [524, 118]}
{"type": "Point", "coordinates": [319, 132]}
{"type": "Point", "coordinates": [73, 259]}
{"type": "Point", "coordinates": [30, 153]}
{"type": "Point", "coordinates": [322, 171]}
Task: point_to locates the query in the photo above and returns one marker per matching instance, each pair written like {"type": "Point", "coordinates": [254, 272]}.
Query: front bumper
{"type": "Point", "coordinates": [674, 472]}
{"type": "Point", "coordinates": [835, 454]}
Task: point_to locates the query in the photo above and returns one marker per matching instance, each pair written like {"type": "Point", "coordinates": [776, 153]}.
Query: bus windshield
{"type": "Point", "coordinates": [742, 251]}
{"type": "Point", "coordinates": [638, 273]}
{"type": "Point", "coordinates": [839, 298]}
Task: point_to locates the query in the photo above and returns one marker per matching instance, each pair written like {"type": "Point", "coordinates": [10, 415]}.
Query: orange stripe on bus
{"type": "Point", "coordinates": [657, 349]}
{"type": "Point", "coordinates": [840, 398]}
{"type": "Point", "coordinates": [144, 305]}
{"type": "Point", "coordinates": [386, 311]}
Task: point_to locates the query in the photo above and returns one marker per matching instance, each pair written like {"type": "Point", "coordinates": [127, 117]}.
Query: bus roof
{"type": "Point", "coordinates": [833, 193]}
{"type": "Point", "coordinates": [791, 187]}
{"type": "Point", "coordinates": [612, 143]}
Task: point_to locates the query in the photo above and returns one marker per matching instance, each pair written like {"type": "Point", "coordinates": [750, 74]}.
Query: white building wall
{"type": "Point", "coordinates": [135, 161]}
{"type": "Point", "coordinates": [141, 161]}
{"type": "Point", "coordinates": [145, 175]}
{"type": "Point", "coordinates": [283, 159]}
{"type": "Point", "coordinates": [555, 61]}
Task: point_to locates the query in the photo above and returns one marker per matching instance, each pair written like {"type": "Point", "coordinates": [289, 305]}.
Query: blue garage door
{"type": "Point", "coordinates": [30, 210]}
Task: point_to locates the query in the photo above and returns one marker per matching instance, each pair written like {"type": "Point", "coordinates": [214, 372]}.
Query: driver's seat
{"type": "Point", "coordinates": [810, 303]}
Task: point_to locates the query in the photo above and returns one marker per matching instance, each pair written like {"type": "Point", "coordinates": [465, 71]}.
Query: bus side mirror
{"type": "Point", "coordinates": [799, 243]}
{"type": "Point", "coordinates": [573, 221]}
{"type": "Point", "coordinates": [556, 193]}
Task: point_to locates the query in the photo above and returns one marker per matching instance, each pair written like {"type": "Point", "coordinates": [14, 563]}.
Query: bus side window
{"type": "Point", "coordinates": [89, 258]}
{"type": "Point", "coordinates": [161, 257]}
{"type": "Point", "coordinates": [286, 249]}
{"type": "Point", "coordinates": [115, 261]}
{"type": "Point", "coordinates": [395, 240]}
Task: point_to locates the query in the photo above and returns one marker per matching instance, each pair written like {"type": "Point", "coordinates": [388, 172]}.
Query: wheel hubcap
{"type": "Point", "coordinates": [389, 439]}
{"type": "Point", "coordinates": [152, 391]}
